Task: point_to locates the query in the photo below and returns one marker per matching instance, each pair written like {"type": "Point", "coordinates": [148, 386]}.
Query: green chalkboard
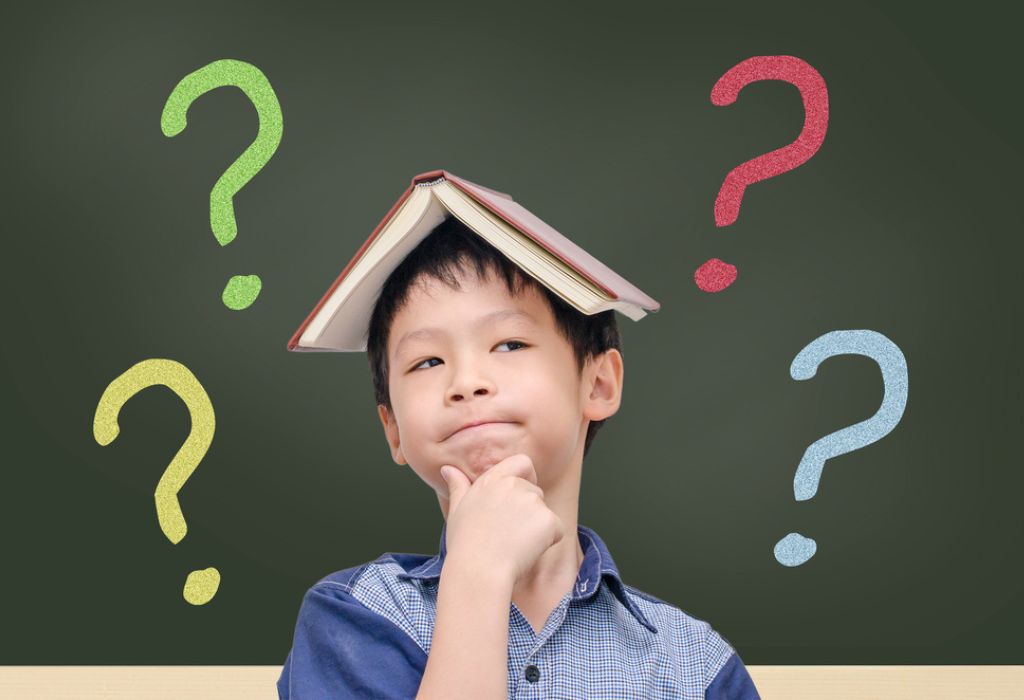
{"type": "Point", "coordinates": [597, 117]}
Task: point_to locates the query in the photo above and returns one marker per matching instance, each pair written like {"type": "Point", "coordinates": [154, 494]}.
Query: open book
{"type": "Point", "coordinates": [339, 322]}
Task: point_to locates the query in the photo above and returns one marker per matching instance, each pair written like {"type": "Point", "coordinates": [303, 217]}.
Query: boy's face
{"type": "Point", "coordinates": [468, 370]}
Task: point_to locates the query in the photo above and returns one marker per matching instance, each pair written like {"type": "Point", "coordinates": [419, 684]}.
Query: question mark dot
{"type": "Point", "coordinates": [794, 549]}
{"type": "Point", "coordinates": [201, 586]}
{"type": "Point", "coordinates": [714, 275]}
{"type": "Point", "coordinates": [241, 291]}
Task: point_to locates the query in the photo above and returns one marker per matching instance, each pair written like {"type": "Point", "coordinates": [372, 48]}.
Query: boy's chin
{"type": "Point", "coordinates": [477, 459]}
{"type": "Point", "coordinates": [473, 470]}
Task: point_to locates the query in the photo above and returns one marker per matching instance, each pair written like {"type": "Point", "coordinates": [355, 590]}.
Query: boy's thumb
{"type": "Point", "coordinates": [453, 477]}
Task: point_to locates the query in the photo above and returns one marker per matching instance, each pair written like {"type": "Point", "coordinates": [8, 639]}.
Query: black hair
{"type": "Point", "coordinates": [449, 247]}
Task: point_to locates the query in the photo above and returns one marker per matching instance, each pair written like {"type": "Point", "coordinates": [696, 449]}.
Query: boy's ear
{"type": "Point", "coordinates": [391, 433]}
{"type": "Point", "coordinates": [602, 385]}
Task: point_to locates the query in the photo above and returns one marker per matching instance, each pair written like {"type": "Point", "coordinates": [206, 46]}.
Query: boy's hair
{"type": "Point", "coordinates": [448, 247]}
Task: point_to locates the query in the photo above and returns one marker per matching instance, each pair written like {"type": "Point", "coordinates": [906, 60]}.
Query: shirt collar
{"type": "Point", "coordinates": [597, 565]}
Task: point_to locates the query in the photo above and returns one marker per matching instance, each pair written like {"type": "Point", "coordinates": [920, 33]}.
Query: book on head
{"type": "Point", "coordinates": [339, 322]}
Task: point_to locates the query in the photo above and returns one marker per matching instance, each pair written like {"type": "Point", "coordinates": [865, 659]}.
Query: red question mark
{"type": "Point", "coordinates": [715, 275]}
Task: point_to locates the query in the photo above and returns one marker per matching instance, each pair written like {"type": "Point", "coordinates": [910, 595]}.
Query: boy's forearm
{"type": "Point", "coordinates": [469, 653]}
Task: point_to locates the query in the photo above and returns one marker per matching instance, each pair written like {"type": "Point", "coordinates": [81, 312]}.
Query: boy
{"type": "Point", "coordinates": [483, 373]}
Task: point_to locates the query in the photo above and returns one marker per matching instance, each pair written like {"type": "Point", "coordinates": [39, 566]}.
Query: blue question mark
{"type": "Point", "coordinates": [794, 549]}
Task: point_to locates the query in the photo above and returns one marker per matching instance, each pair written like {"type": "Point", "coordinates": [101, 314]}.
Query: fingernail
{"type": "Point", "coordinates": [444, 474]}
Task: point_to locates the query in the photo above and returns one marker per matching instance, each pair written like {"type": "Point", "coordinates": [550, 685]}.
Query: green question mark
{"type": "Point", "coordinates": [241, 290]}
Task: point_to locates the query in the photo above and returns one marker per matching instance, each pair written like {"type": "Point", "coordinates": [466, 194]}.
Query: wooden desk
{"type": "Point", "coordinates": [258, 682]}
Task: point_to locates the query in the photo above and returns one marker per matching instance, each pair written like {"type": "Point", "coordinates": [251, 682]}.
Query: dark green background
{"type": "Point", "coordinates": [597, 118]}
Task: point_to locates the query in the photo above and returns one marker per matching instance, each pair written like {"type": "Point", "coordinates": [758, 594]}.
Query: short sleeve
{"type": "Point", "coordinates": [342, 649]}
{"type": "Point", "coordinates": [732, 682]}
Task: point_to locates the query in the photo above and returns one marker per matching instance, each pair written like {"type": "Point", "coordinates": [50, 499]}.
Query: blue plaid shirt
{"type": "Point", "coordinates": [365, 632]}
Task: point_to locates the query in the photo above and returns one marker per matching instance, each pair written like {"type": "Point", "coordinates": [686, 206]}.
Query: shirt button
{"type": "Point", "coordinates": [532, 673]}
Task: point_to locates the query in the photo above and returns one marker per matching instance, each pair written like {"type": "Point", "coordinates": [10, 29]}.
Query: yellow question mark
{"type": "Point", "coordinates": [201, 586]}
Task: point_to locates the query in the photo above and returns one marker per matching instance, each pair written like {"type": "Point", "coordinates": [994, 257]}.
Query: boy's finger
{"type": "Point", "coordinates": [520, 465]}
{"type": "Point", "coordinates": [457, 485]}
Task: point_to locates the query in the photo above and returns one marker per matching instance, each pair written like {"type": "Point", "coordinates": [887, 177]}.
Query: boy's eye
{"type": "Point", "coordinates": [511, 342]}
{"type": "Point", "coordinates": [421, 364]}
{"type": "Point", "coordinates": [504, 342]}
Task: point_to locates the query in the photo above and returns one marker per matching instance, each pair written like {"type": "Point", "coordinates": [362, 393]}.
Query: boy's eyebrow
{"type": "Point", "coordinates": [493, 317]}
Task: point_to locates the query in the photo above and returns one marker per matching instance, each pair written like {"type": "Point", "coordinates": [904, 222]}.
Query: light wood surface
{"type": "Point", "coordinates": [259, 682]}
{"type": "Point", "coordinates": [889, 682]}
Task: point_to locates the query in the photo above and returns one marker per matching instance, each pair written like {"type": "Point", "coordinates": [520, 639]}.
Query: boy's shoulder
{"type": "Point", "coordinates": [360, 632]}
{"type": "Point", "coordinates": [687, 633]}
{"type": "Point", "coordinates": [392, 563]}
{"type": "Point", "coordinates": [377, 585]}
{"type": "Point", "coordinates": [708, 654]}
{"type": "Point", "coordinates": [385, 585]}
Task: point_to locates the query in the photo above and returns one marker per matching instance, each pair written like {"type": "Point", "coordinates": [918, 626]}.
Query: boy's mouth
{"type": "Point", "coordinates": [477, 426]}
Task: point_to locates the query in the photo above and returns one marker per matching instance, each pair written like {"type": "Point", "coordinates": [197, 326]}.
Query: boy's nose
{"type": "Point", "coordinates": [457, 395]}
{"type": "Point", "coordinates": [469, 383]}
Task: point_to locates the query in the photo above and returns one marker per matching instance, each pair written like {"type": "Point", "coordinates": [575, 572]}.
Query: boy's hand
{"type": "Point", "coordinates": [500, 521]}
